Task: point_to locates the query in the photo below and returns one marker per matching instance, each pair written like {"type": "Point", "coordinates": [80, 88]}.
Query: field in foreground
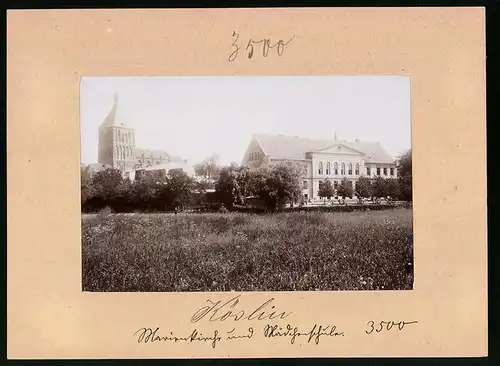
{"type": "Point", "coordinates": [244, 252]}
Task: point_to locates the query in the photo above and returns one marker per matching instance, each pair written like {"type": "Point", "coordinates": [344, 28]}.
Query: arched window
{"type": "Point", "coordinates": [320, 167]}
{"type": "Point", "coordinates": [349, 170]}
{"type": "Point", "coordinates": [335, 168]}
{"type": "Point", "coordinates": [342, 169]}
{"type": "Point", "coordinates": [357, 169]}
{"type": "Point", "coordinates": [328, 168]}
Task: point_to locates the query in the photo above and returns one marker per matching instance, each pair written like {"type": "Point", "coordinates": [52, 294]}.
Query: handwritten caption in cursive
{"type": "Point", "coordinates": [265, 45]}
{"type": "Point", "coordinates": [150, 335]}
{"type": "Point", "coordinates": [231, 311]}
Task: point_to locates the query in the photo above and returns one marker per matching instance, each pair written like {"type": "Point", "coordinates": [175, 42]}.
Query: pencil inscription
{"type": "Point", "coordinates": [264, 45]}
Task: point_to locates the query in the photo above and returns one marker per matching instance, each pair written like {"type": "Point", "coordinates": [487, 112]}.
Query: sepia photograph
{"type": "Point", "coordinates": [218, 184]}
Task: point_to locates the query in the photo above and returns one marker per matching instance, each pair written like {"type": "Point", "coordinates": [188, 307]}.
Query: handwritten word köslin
{"type": "Point", "coordinates": [221, 311]}
{"type": "Point", "coordinates": [271, 331]}
{"type": "Point", "coordinates": [265, 44]}
{"type": "Point", "coordinates": [386, 326]}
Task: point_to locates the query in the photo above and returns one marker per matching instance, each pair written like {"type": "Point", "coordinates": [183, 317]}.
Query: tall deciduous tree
{"type": "Point", "coordinates": [231, 186]}
{"type": "Point", "coordinates": [404, 163]}
{"type": "Point", "coordinates": [345, 188]}
{"type": "Point", "coordinates": [87, 190]}
{"type": "Point", "coordinates": [286, 181]}
{"type": "Point", "coordinates": [392, 188]}
{"type": "Point", "coordinates": [404, 166]}
{"type": "Point", "coordinates": [143, 193]}
{"type": "Point", "coordinates": [107, 183]}
{"type": "Point", "coordinates": [258, 183]}
{"type": "Point", "coordinates": [242, 179]}
{"type": "Point", "coordinates": [226, 187]}
{"type": "Point", "coordinates": [364, 187]}
{"type": "Point", "coordinates": [277, 184]}
{"type": "Point", "coordinates": [325, 189]}
{"type": "Point", "coordinates": [85, 174]}
{"type": "Point", "coordinates": [379, 187]}
{"type": "Point", "coordinates": [208, 168]}
{"type": "Point", "coordinates": [178, 188]}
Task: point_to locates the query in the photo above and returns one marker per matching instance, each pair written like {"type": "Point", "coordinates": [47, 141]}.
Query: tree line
{"type": "Point", "coordinates": [273, 186]}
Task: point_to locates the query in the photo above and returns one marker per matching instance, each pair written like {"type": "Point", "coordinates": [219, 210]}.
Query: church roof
{"type": "Point", "coordinates": [291, 147]}
{"type": "Point", "coordinates": [114, 117]}
{"type": "Point", "coordinates": [148, 152]}
{"type": "Point", "coordinates": [98, 166]}
{"type": "Point", "coordinates": [177, 159]}
{"type": "Point", "coordinates": [171, 165]}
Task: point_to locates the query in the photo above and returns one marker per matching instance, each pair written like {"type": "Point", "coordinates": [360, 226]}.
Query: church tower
{"type": "Point", "coordinates": [116, 141]}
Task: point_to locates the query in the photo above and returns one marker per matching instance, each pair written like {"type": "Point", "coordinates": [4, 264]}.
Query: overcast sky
{"type": "Point", "coordinates": [194, 117]}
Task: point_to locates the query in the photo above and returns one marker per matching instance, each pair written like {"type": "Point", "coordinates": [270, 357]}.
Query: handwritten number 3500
{"type": "Point", "coordinates": [266, 46]}
{"type": "Point", "coordinates": [386, 326]}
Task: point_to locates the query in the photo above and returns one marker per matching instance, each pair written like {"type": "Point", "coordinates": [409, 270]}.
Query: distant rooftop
{"type": "Point", "coordinates": [294, 147]}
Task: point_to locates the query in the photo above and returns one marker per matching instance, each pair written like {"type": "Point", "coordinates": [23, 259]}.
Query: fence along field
{"type": "Point", "coordinates": [283, 251]}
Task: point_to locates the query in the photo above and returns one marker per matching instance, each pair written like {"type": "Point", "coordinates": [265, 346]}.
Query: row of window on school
{"type": "Point", "coordinates": [349, 169]}
{"type": "Point", "coordinates": [335, 184]}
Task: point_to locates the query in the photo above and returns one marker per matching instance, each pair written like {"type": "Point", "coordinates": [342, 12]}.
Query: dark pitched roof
{"type": "Point", "coordinates": [148, 152]}
{"type": "Point", "coordinates": [291, 147]}
{"type": "Point", "coordinates": [98, 166]}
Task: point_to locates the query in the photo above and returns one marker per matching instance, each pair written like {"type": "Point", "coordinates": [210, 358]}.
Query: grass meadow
{"type": "Point", "coordinates": [294, 251]}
